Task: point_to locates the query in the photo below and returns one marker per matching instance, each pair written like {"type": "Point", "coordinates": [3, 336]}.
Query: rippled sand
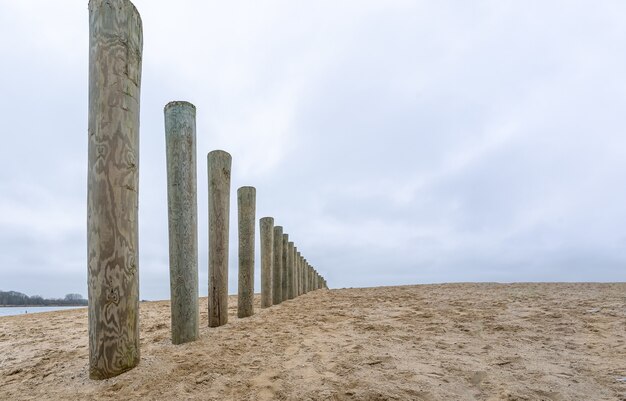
{"type": "Point", "coordinates": [426, 342]}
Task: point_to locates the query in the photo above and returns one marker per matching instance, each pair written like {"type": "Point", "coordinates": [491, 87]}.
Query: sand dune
{"type": "Point", "coordinates": [429, 342]}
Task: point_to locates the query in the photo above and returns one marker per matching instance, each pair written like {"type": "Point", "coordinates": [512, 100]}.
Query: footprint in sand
{"type": "Point", "coordinates": [266, 385]}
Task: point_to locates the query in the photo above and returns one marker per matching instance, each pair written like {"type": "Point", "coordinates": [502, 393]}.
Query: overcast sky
{"type": "Point", "coordinates": [398, 142]}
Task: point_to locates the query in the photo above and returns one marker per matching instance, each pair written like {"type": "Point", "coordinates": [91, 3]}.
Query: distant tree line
{"type": "Point", "coordinates": [14, 298]}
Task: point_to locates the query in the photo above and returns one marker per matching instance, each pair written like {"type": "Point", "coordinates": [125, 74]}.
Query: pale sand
{"type": "Point", "coordinates": [431, 342]}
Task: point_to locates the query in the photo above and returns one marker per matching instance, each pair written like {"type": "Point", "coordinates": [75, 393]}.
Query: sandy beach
{"type": "Point", "coordinates": [427, 342]}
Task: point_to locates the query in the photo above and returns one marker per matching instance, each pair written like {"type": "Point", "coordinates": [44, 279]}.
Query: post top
{"type": "Point", "coordinates": [183, 103]}
{"type": "Point", "coordinates": [219, 153]}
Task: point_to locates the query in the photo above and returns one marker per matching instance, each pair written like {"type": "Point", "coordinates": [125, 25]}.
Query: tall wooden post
{"type": "Point", "coordinates": [218, 165]}
{"type": "Point", "coordinates": [266, 226]}
{"type": "Point", "coordinates": [290, 257]}
{"type": "Point", "coordinates": [285, 265]}
{"type": "Point", "coordinates": [277, 274]}
{"type": "Point", "coordinates": [294, 281]}
{"type": "Point", "coordinates": [115, 50]}
{"type": "Point", "coordinates": [246, 201]}
{"type": "Point", "coordinates": [305, 275]}
{"type": "Point", "coordinates": [304, 267]}
{"type": "Point", "coordinates": [298, 268]}
{"type": "Point", "coordinates": [180, 144]}
{"type": "Point", "coordinates": [302, 264]}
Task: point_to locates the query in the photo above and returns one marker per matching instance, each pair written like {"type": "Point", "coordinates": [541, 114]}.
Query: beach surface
{"type": "Point", "coordinates": [426, 342]}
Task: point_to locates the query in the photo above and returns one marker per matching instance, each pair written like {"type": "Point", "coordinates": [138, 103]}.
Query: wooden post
{"type": "Point", "coordinates": [290, 257]}
{"type": "Point", "coordinates": [305, 265]}
{"type": "Point", "coordinates": [266, 227]}
{"type": "Point", "coordinates": [294, 280]}
{"type": "Point", "coordinates": [306, 276]}
{"type": "Point", "coordinates": [298, 276]}
{"type": "Point", "coordinates": [180, 144]}
{"type": "Point", "coordinates": [302, 267]}
{"type": "Point", "coordinates": [277, 273]}
{"type": "Point", "coordinates": [285, 264]}
{"type": "Point", "coordinates": [115, 49]}
{"type": "Point", "coordinates": [218, 165]}
{"type": "Point", "coordinates": [246, 201]}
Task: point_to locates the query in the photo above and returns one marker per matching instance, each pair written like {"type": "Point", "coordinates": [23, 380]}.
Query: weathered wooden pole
{"type": "Point", "coordinates": [306, 273]}
{"type": "Point", "coordinates": [285, 265]}
{"type": "Point", "coordinates": [266, 227]}
{"type": "Point", "coordinates": [301, 275]}
{"type": "Point", "coordinates": [115, 50]}
{"type": "Point", "coordinates": [246, 201]}
{"type": "Point", "coordinates": [218, 165]}
{"type": "Point", "coordinates": [294, 280]}
{"type": "Point", "coordinates": [298, 277]}
{"type": "Point", "coordinates": [290, 257]}
{"type": "Point", "coordinates": [304, 269]}
{"type": "Point", "coordinates": [277, 273]}
{"type": "Point", "coordinates": [180, 144]}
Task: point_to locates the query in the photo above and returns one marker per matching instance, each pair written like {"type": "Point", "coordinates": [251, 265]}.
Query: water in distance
{"type": "Point", "coordinates": [22, 310]}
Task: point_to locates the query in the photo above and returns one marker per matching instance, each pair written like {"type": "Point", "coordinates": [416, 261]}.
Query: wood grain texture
{"type": "Point", "coordinates": [266, 231]}
{"type": "Point", "coordinates": [115, 51]}
{"type": "Point", "coordinates": [246, 205]}
{"type": "Point", "coordinates": [180, 145]}
{"type": "Point", "coordinates": [219, 168]}
{"type": "Point", "coordinates": [277, 268]}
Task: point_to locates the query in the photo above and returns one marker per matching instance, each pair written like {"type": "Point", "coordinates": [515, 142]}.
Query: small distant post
{"type": "Point", "coordinates": [298, 270]}
{"type": "Point", "coordinates": [285, 268]}
{"type": "Point", "coordinates": [277, 273]}
{"type": "Point", "coordinates": [180, 144]}
{"type": "Point", "coordinates": [294, 280]}
{"type": "Point", "coordinates": [290, 257]}
{"type": "Point", "coordinates": [304, 267]}
{"type": "Point", "coordinates": [246, 201]}
{"type": "Point", "coordinates": [219, 165]}
{"type": "Point", "coordinates": [266, 226]}
{"type": "Point", "coordinates": [306, 276]}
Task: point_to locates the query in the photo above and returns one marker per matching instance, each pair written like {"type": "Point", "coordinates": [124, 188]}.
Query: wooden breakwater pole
{"type": "Point", "coordinates": [277, 268]}
{"type": "Point", "coordinates": [115, 52]}
{"type": "Point", "coordinates": [266, 228]}
{"type": "Point", "coordinates": [294, 277]}
{"type": "Point", "coordinates": [290, 258]}
{"type": "Point", "coordinates": [304, 281]}
{"type": "Point", "coordinates": [284, 268]}
{"type": "Point", "coordinates": [302, 267]}
{"type": "Point", "coordinates": [180, 144]}
{"type": "Point", "coordinates": [296, 274]}
{"type": "Point", "coordinates": [299, 275]}
{"type": "Point", "coordinates": [219, 167]}
{"type": "Point", "coordinates": [246, 201]}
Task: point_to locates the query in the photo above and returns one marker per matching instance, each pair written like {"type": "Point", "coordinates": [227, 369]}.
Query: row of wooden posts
{"type": "Point", "coordinates": [285, 273]}
{"type": "Point", "coordinates": [115, 54]}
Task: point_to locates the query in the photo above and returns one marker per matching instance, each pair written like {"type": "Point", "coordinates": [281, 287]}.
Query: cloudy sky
{"type": "Point", "coordinates": [397, 142]}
